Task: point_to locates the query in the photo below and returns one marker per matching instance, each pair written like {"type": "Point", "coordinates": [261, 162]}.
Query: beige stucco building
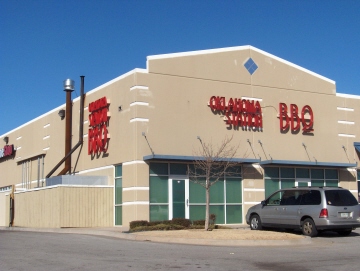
{"type": "Point", "coordinates": [141, 131]}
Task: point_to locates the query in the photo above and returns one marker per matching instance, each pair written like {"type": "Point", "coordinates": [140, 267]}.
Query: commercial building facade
{"type": "Point", "coordinates": [142, 129]}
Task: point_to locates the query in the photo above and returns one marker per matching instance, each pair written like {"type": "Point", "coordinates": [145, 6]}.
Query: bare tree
{"type": "Point", "coordinates": [211, 163]}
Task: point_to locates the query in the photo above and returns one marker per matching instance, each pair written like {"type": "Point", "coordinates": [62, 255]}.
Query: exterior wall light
{"type": "Point", "coordinates": [6, 139]}
{"type": "Point", "coordinates": [61, 114]}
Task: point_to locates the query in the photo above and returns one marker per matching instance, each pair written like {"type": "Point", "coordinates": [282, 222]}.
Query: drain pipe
{"type": "Point", "coordinates": [67, 159]}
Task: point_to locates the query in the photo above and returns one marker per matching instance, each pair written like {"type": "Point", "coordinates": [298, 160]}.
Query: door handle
{"type": "Point", "coordinates": [187, 202]}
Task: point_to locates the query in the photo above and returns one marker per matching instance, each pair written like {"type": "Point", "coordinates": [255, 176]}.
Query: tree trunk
{"type": "Point", "coordinates": [207, 205]}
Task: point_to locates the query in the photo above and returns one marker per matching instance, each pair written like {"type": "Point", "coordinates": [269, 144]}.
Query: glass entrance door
{"type": "Point", "coordinates": [179, 198]}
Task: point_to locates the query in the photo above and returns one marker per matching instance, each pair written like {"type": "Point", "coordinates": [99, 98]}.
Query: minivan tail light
{"type": "Point", "coordinates": [324, 213]}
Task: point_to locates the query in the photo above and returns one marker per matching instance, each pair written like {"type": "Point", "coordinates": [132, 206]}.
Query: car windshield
{"type": "Point", "coordinates": [340, 198]}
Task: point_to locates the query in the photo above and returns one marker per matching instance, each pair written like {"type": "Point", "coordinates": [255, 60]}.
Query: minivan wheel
{"type": "Point", "coordinates": [255, 222]}
{"type": "Point", "coordinates": [309, 228]}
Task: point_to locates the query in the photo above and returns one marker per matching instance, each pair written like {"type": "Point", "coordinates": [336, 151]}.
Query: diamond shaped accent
{"type": "Point", "coordinates": [251, 66]}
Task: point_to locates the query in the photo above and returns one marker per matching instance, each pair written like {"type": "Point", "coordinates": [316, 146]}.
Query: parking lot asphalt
{"type": "Point", "coordinates": [241, 236]}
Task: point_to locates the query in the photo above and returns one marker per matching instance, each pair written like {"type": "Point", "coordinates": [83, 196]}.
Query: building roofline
{"type": "Point", "coordinates": [33, 120]}
{"type": "Point", "coordinates": [200, 52]}
{"type": "Point", "coordinates": [113, 81]}
{"type": "Point", "coordinates": [349, 96]}
{"type": "Point", "coordinates": [77, 98]}
{"type": "Point", "coordinates": [236, 48]}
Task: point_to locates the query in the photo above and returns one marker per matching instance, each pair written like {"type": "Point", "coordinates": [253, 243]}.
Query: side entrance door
{"type": "Point", "coordinates": [179, 198]}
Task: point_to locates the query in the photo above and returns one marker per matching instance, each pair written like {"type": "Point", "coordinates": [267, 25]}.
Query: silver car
{"type": "Point", "coordinates": [311, 209]}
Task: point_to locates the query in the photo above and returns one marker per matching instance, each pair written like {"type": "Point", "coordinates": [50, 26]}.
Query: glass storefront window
{"type": "Point", "coordinates": [233, 214]}
{"type": "Point", "coordinates": [159, 169]}
{"type": "Point", "coordinates": [216, 171]}
{"type": "Point", "coordinates": [317, 182]}
{"type": "Point", "coordinates": [159, 189]}
{"type": "Point", "coordinates": [219, 211]}
{"type": "Point", "coordinates": [225, 193]}
{"type": "Point", "coordinates": [287, 172]}
{"type": "Point", "coordinates": [317, 177]}
{"type": "Point", "coordinates": [118, 171]}
{"type": "Point", "coordinates": [159, 212]}
{"type": "Point", "coordinates": [118, 215]}
{"type": "Point", "coordinates": [271, 185]}
{"type": "Point", "coordinates": [331, 174]}
{"type": "Point", "coordinates": [178, 169]}
{"type": "Point", "coordinates": [118, 191]}
{"type": "Point", "coordinates": [302, 173]}
{"type": "Point", "coordinates": [118, 195]}
{"type": "Point", "coordinates": [217, 192]}
{"type": "Point", "coordinates": [272, 172]}
{"type": "Point", "coordinates": [195, 171]}
{"type": "Point", "coordinates": [317, 174]}
{"type": "Point", "coordinates": [233, 190]}
{"type": "Point", "coordinates": [287, 183]}
{"type": "Point", "coordinates": [197, 193]}
{"type": "Point", "coordinates": [233, 172]}
{"type": "Point", "coordinates": [331, 183]}
{"type": "Point", "coordinates": [197, 212]}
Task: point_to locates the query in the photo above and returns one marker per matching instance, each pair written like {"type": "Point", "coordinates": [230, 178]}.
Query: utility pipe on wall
{"type": "Point", "coordinates": [38, 173]}
{"type": "Point", "coordinates": [42, 171]}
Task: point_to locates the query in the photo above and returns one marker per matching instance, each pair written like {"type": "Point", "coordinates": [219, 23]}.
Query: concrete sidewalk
{"type": "Point", "coordinates": [242, 236]}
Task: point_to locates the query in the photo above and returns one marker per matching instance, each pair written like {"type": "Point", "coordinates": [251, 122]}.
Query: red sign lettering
{"type": "Point", "coordinates": [293, 120]}
{"type": "Point", "coordinates": [8, 150]}
{"type": "Point", "coordinates": [238, 112]}
{"type": "Point", "coordinates": [98, 121]}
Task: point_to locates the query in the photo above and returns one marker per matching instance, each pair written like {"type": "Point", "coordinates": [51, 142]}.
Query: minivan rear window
{"type": "Point", "coordinates": [340, 198]}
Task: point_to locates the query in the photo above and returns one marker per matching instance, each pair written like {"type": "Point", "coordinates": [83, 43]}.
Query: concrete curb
{"type": "Point", "coordinates": [230, 243]}
{"type": "Point", "coordinates": [113, 232]}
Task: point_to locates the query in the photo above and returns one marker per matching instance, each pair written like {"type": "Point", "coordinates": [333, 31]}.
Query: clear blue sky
{"type": "Point", "coordinates": [43, 42]}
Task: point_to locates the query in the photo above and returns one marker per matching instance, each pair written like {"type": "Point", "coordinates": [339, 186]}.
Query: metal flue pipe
{"type": "Point", "coordinates": [69, 87]}
{"type": "Point", "coordinates": [69, 151]}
